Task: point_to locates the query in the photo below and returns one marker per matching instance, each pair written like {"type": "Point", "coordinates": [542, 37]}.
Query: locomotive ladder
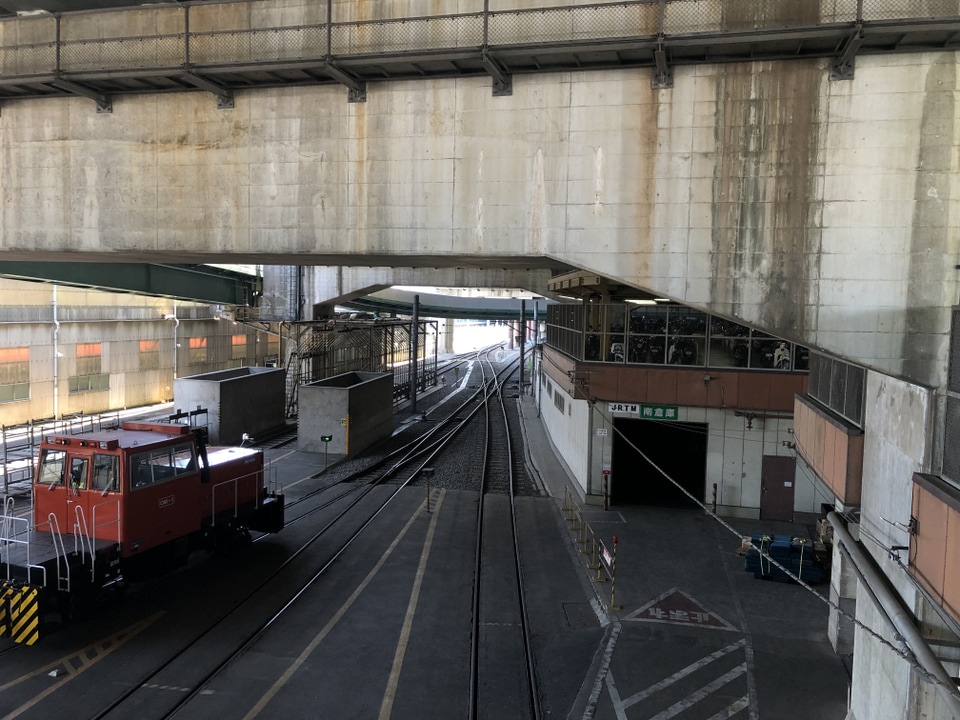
{"type": "Point", "coordinates": [82, 542]}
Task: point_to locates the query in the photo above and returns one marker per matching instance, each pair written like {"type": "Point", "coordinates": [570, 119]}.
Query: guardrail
{"type": "Point", "coordinates": [602, 560]}
{"type": "Point", "coordinates": [19, 444]}
{"type": "Point", "coordinates": [186, 35]}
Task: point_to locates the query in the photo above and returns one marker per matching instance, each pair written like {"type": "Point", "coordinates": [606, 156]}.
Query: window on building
{"type": "Point", "coordinates": [149, 354]}
{"type": "Point", "coordinates": [89, 376]}
{"type": "Point", "coordinates": [198, 350]}
{"type": "Point", "coordinates": [238, 351]}
{"type": "Point", "coordinates": [14, 374]}
{"type": "Point", "coordinates": [558, 401]}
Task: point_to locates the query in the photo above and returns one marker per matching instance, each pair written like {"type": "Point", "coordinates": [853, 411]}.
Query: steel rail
{"type": "Point", "coordinates": [533, 699]}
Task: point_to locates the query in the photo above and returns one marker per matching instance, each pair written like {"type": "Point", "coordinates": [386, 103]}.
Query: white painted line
{"type": "Point", "coordinates": [591, 707]}
{"type": "Point", "coordinates": [700, 694]}
{"type": "Point", "coordinates": [390, 694]}
{"type": "Point", "coordinates": [732, 710]}
{"type": "Point", "coordinates": [615, 697]}
{"type": "Point", "coordinates": [680, 674]}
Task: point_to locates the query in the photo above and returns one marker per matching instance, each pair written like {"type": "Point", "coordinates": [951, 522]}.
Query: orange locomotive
{"type": "Point", "coordinates": [132, 501]}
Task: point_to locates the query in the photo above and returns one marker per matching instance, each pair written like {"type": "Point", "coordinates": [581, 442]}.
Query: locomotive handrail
{"type": "Point", "coordinates": [107, 523]}
{"type": "Point", "coordinates": [13, 538]}
{"type": "Point", "coordinates": [60, 551]}
{"type": "Point", "coordinates": [272, 486]}
{"type": "Point", "coordinates": [81, 540]}
{"type": "Point", "coordinates": [91, 537]}
{"type": "Point", "coordinates": [257, 475]}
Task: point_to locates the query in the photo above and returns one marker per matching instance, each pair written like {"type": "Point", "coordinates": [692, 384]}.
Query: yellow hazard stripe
{"type": "Point", "coordinates": [25, 616]}
{"type": "Point", "coordinates": [6, 590]}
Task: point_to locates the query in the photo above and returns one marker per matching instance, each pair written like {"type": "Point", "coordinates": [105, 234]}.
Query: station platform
{"type": "Point", "coordinates": [687, 632]}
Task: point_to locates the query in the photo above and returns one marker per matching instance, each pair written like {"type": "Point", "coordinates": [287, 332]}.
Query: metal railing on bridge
{"type": "Point", "coordinates": [129, 44]}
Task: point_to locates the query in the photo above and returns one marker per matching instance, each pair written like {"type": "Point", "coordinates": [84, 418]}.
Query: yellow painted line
{"type": "Point", "coordinates": [100, 650]}
{"type": "Point", "coordinates": [390, 693]}
{"type": "Point", "coordinates": [332, 623]}
{"type": "Point", "coordinates": [297, 482]}
{"type": "Point", "coordinates": [281, 457]}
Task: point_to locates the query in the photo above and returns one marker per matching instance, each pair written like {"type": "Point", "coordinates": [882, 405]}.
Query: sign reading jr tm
{"type": "Point", "coordinates": [651, 412]}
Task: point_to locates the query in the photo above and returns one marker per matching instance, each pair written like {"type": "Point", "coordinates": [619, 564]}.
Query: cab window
{"type": "Point", "coordinates": [161, 464]}
{"type": "Point", "coordinates": [78, 473]}
{"type": "Point", "coordinates": [106, 471]}
{"type": "Point", "coordinates": [52, 466]}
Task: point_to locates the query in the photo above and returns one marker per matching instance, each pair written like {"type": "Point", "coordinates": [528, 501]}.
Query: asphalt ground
{"type": "Point", "coordinates": [687, 632]}
{"type": "Point", "coordinates": [385, 631]}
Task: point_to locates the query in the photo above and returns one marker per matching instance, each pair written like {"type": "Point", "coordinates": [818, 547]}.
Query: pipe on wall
{"type": "Point", "coordinates": [891, 607]}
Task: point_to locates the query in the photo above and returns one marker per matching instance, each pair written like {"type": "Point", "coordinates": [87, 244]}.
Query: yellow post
{"type": "Point", "coordinates": [613, 575]}
{"type": "Point", "coordinates": [427, 474]}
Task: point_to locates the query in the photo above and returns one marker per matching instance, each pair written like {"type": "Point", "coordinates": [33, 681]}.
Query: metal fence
{"type": "Point", "coordinates": [129, 38]}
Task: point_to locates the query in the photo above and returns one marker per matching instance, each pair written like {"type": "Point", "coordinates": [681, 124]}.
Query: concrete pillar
{"type": "Point", "coordinates": [414, 352]}
{"type": "Point", "coordinates": [446, 327]}
{"type": "Point", "coordinates": [843, 592]}
{"type": "Point", "coordinates": [523, 340]}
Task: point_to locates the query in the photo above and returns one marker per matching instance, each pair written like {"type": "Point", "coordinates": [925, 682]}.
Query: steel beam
{"type": "Point", "coordinates": [844, 64]}
{"type": "Point", "coordinates": [104, 104]}
{"type": "Point", "coordinates": [502, 81]}
{"type": "Point", "coordinates": [663, 75]}
{"type": "Point", "coordinates": [211, 285]}
{"type": "Point", "coordinates": [357, 89]}
{"type": "Point", "coordinates": [224, 95]}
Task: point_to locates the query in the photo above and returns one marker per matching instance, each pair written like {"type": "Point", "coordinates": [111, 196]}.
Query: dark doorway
{"type": "Point", "coordinates": [679, 449]}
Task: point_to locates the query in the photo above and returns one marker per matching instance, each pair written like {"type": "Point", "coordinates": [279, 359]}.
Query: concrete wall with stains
{"type": "Point", "coordinates": [896, 444]}
{"type": "Point", "coordinates": [822, 211]}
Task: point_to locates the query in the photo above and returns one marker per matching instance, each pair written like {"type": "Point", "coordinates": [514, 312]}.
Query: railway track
{"type": "Point", "coordinates": [505, 684]}
{"type": "Point", "coordinates": [331, 519]}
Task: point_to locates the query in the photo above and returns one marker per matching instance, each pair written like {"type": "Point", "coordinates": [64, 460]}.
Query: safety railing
{"type": "Point", "coordinates": [185, 35]}
{"type": "Point", "coordinates": [15, 534]}
{"type": "Point", "coordinates": [266, 478]}
{"type": "Point", "coordinates": [601, 559]}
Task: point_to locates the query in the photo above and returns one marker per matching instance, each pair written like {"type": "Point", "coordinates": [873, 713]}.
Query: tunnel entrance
{"type": "Point", "coordinates": [680, 449]}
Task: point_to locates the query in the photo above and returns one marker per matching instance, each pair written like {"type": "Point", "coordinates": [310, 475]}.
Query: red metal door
{"type": "Point", "coordinates": [51, 492]}
{"type": "Point", "coordinates": [777, 475]}
{"type": "Point", "coordinates": [78, 496]}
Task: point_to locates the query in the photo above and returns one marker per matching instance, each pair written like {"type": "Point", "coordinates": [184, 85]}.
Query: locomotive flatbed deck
{"type": "Point", "coordinates": [37, 548]}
